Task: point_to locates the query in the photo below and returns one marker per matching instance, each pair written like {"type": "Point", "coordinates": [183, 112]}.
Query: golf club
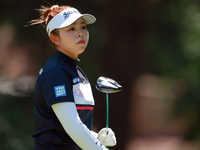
{"type": "Point", "coordinates": [107, 85]}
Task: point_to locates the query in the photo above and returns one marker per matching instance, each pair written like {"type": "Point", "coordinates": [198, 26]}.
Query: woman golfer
{"type": "Point", "coordinates": [63, 100]}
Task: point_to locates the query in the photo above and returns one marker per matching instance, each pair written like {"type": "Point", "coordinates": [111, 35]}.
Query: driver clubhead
{"type": "Point", "coordinates": [107, 85]}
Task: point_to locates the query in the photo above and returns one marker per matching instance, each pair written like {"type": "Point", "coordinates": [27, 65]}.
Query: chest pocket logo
{"type": "Point", "coordinates": [78, 93]}
{"type": "Point", "coordinates": [83, 94]}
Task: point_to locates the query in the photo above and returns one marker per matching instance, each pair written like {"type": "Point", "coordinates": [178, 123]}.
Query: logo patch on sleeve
{"type": "Point", "coordinates": [60, 90]}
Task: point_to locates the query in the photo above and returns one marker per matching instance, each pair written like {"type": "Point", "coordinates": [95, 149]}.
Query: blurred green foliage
{"type": "Point", "coordinates": [16, 125]}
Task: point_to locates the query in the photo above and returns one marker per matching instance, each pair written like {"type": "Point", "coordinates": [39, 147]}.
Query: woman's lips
{"type": "Point", "coordinates": [81, 42]}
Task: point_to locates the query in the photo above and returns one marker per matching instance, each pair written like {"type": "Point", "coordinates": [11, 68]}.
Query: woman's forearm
{"type": "Point", "coordinates": [68, 116]}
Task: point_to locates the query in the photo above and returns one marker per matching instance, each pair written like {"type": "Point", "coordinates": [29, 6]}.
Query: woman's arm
{"type": "Point", "coordinates": [94, 134]}
{"type": "Point", "coordinates": [69, 118]}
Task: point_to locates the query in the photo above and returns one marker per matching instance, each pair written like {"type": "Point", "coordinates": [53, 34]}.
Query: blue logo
{"type": "Point", "coordinates": [76, 80]}
{"type": "Point", "coordinates": [66, 14]}
{"type": "Point", "coordinates": [60, 90]}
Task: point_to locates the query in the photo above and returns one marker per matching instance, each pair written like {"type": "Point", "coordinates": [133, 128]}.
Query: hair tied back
{"type": "Point", "coordinates": [53, 7]}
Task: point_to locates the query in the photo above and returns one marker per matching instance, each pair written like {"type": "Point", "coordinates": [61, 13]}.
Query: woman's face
{"type": "Point", "coordinates": [73, 39]}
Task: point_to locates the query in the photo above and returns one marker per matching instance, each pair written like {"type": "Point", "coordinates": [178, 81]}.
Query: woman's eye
{"type": "Point", "coordinates": [84, 27]}
{"type": "Point", "coordinates": [71, 29]}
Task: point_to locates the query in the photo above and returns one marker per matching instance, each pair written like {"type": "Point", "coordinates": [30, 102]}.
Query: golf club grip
{"type": "Point", "coordinates": [107, 146]}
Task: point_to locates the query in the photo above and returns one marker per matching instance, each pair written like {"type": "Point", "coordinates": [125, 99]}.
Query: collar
{"type": "Point", "coordinates": [66, 58]}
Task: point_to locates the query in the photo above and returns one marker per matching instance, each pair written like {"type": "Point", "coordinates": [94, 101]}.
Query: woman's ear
{"type": "Point", "coordinates": [54, 38]}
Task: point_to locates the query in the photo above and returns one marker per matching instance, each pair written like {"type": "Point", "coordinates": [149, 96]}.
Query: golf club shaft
{"type": "Point", "coordinates": [107, 113]}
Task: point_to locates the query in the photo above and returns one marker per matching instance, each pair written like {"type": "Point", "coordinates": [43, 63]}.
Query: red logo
{"type": "Point", "coordinates": [78, 93]}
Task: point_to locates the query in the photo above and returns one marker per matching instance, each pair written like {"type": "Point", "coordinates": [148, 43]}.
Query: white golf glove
{"type": "Point", "coordinates": [107, 137]}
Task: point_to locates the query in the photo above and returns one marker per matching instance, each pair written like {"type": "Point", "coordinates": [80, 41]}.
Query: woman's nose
{"type": "Point", "coordinates": [80, 34]}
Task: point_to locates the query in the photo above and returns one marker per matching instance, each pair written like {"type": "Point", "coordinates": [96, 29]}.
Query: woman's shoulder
{"type": "Point", "coordinates": [54, 68]}
{"type": "Point", "coordinates": [53, 64]}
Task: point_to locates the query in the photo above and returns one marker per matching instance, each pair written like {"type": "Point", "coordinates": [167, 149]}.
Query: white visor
{"type": "Point", "coordinates": [66, 18]}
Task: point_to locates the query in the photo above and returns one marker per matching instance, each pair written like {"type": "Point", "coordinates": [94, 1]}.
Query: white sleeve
{"type": "Point", "coordinates": [69, 118]}
{"type": "Point", "coordinates": [94, 134]}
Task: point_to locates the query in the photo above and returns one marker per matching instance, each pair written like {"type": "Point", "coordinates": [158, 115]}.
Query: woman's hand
{"type": "Point", "coordinates": [107, 137]}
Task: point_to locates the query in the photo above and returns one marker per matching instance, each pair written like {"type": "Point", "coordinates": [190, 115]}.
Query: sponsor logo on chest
{"type": "Point", "coordinates": [76, 80]}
